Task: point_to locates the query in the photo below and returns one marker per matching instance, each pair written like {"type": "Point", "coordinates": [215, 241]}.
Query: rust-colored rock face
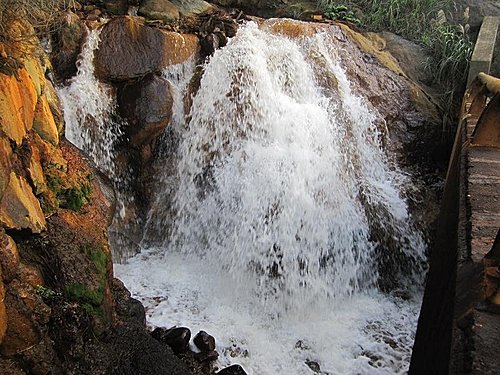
{"type": "Point", "coordinates": [17, 104]}
{"type": "Point", "coordinates": [177, 48]}
{"type": "Point", "coordinates": [131, 50]}
{"type": "Point", "coordinates": [147, 105]}
{"type": "Point", "coordinates": [19, 208]}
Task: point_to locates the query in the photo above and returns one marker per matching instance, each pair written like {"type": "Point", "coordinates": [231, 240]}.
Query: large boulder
{"type": "Point", "coordinates": [67, 39]}
{"type": "Point", "coordinates": [130, 50]}
{"type": "Point", "coordinates": [162, 10]}
{"type": "Point", "coordinates": [147, 105]}
{"type": "Point", "coordinates": [192, 7]}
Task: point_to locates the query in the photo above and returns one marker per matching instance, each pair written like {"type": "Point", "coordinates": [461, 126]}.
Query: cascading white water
{"type": "Point", "coordinates": [275, 175]}
{"type": "Point", "coordinates": [89, 108]}
{"type": "Point", "coordinates": [279, 187]}
{"type": "Point", "coordinates": [282, 185]}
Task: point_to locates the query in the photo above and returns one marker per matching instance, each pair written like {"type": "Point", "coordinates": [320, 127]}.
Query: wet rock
{"type": "Point", "coordinates": [131, 50]}
{"type": "Point", "coordinates": [232, 370]}
{"type": "Point", "coordinates": [147, 105]}
{"type": "Point", "coordinates": [206, 356]}
{"type": "Point", "coordinates": [162, 10]}
{"type": "Point", "coordinates": [34, 167]}
{"type": "Point", "coordinates": [3, 311]}
{"type": "Point", "coordinates": [177, 338]}
{"type": "Point", "coordinates": [314, 366]}
{"type": "Point", "coordinates": [26, 313]}
{"type": "Point", "coordinates": [128, 50]}
{"type": "Point", "coordinates": [129, 310]}
{"type": "Point", "coordinates": [54, 105]}
{"type": "Point", "coordinates": [67, 39]}
{"type": "Point", "coordinates": [204, 341]}
{"type": "Point", "coordinates": [5, 164]}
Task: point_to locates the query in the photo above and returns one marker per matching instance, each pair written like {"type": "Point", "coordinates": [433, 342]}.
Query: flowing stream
{"type": "Point", "coordinates": [281, 216]}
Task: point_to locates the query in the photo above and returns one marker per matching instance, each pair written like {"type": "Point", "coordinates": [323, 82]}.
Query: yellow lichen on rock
{"type": "Point", "coordinates": [374, 45]}
{"type": "Point", "coordinates": [19, 208]}
{"type": "Point", "coordinates": [17, 104]}
{"type": "Point", "coordinates": [44, 123]}
{"type": "Point", "coordinates": [36, 73]}
{"type": "Point", "coordinates": [55, 105]}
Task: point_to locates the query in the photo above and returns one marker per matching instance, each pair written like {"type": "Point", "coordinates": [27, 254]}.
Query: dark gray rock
{"type": "Point", "coordinates": [232, 370]}
{"type": "Point", "coordinates": [204, 341]}
{"type": "Point", "coordinates": [147, 105]}
{"type": "Point", "coordinates": [177, 338]}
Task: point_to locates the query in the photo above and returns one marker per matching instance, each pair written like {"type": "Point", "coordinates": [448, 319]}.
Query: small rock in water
{"type": "Point", "coordinates": [177, 337]}
{"type": "Point", "coordinates": [313, 365]}
{"type": "Point", "coordinates": [206, 356]}
{"type": "Point", "coordinates": [301, 345]}
{"type": "Point", "coordinates": [232, 370]}
{"type": "Point", "coordinates": [204, 341]}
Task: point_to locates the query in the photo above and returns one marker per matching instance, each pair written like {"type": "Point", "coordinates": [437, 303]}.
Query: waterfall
{"type": "Point", "coordinates": [280, 181]}
{"type": "Point", "coordinates": [89, 110]}
{"type": "Point", "coordinates": [282, 215]}
{"type": "Point", "coordinates": [278, 214]}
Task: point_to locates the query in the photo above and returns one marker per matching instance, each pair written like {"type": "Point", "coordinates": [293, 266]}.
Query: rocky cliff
{"type": "Point", "coordinates": [61, 310]}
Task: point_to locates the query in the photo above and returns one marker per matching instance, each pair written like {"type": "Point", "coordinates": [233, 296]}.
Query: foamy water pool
{"type": "Point", "coordinates": [369, 333]}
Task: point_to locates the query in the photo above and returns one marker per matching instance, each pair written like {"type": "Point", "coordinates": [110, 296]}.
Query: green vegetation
{"type": "Point", "coordinates": [79, 293]}
{"type": "Point", "coordinates": [341, 13]}
{"type": "Point", "coordinates": [68, 196]}
{"type": "Point", "coordinates": [424, 22]}
{"type": "Point", "coordinates": [98, 257]}
{"type": "Point", "coordinates": [46, 293]}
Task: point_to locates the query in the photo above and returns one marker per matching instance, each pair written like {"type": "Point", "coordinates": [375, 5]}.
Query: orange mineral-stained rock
{"type": "Point", "coordinates": [177, 48]}
{"type": "Point", "coordinates": [18, 99]}
{"type": "Point", "coordinates": [19, 207]}
{"type": "Point", "coordinates": [44, 123]}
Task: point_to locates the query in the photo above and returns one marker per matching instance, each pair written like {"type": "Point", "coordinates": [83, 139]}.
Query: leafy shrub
{"type": "Point", "coordinates": [341, 13]}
